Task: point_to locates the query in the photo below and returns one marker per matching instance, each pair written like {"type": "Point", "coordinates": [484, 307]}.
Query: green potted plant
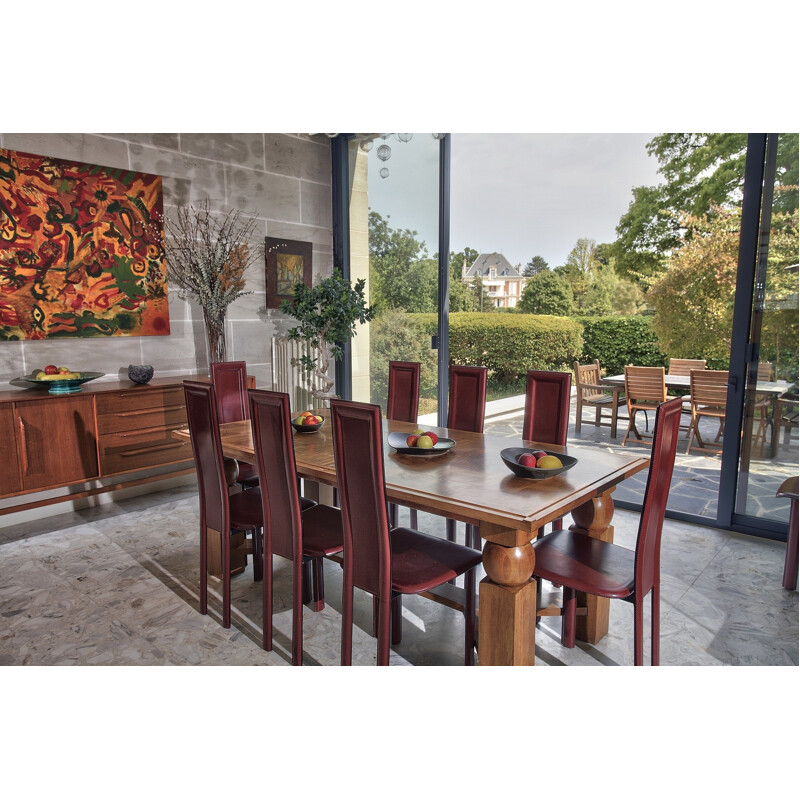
{"type": "Point", "coordinates": [328, 314]}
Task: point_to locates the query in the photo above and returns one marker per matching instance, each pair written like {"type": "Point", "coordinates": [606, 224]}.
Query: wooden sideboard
{"type": "Point", "coordinates": [110, 429]}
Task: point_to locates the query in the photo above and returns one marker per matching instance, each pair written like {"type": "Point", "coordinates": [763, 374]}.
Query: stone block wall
{"type": "Point", "coordinates": [283, 180]}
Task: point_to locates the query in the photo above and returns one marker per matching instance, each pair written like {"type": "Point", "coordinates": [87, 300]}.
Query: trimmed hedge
{"type": "Point", "coordinates": [618, 341]}
{"type": "Point", "coordinates": [509, 344]}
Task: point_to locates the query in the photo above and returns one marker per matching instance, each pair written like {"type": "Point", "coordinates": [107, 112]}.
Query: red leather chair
{"type": "Point", "coordinates": [402, 403]}
{"type": "Point", "coordinates": [583, 564]}
{"type": "Point", "coordinates": [547, 397]}
{"type": "Point", "coordinates": [230, 383]}
{"type": "Point", "coordinates": [219, 512]}
{"type": "Point", "coordinates": [788, 489]}
{"type": "Point", "coordinates": [294, 527]}
{"type": "Point", "coordinates": [466, 406]}
{"type": "Point", "coordinates": [387, 565]}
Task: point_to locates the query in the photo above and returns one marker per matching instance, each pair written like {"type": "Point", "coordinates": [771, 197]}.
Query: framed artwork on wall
{"type": "Point", "coordinates": [288, 263]}
{"type": "Point", "coordinates": [81, 250]}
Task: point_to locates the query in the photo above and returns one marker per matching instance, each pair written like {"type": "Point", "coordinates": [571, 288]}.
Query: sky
{"type": "Point", "coordinates": [520, 194]}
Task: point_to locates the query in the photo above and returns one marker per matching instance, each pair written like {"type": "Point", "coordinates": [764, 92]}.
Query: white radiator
{"type": "Point", "coordinates": [288, 374]}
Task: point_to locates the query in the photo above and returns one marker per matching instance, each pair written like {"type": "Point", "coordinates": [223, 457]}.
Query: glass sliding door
{"type": "Point", "coordinates": [769, 451]}
{"type": "Point", "coordinates": [394, 231]}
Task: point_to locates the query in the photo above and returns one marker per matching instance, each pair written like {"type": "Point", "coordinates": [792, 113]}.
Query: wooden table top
{"type": "Point", "coordinates": [469, 483]}
{"type": "Point", "coordinates": [682, 382]}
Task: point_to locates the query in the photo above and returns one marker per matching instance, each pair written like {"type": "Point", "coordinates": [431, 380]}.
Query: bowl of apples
{"type": "Point", "coordinates": [420, 443]}
{"type": "Point", "coordinates": [308, 422]}
{"type": "Point", "coordinates": [529, 462]}
{"type": "Point", "coordinates": [60, 380]}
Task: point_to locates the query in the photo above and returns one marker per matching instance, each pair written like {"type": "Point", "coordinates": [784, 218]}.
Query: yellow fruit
{"type": "Point", "coordinates": [549, 462]}
{"type": "Point", "coordinates": [425, 442]}
{"type": "Point", "coordinates": [418, 432]}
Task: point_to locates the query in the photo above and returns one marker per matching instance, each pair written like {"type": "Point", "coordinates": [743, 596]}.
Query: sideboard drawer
{"type": "Point", "coordinates": [145, 447]}
{"type": "Point", "coordinates": [143, 397]}
{"type": "Point", "coordinates": [138, 418]}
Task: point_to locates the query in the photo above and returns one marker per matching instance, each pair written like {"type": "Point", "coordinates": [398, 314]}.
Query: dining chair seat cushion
{"type": "Point", "coordinates": [322, 530]}
{"type": "Point", "coordinates": [246, 511]}
{"type": "Point", "coordinates": [421, 562]}
{"type": "Point", "coordinates": [585, 564]}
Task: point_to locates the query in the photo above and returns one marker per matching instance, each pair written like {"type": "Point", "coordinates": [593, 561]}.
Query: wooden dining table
{"type": "Point", "coordinates": [471, 483]}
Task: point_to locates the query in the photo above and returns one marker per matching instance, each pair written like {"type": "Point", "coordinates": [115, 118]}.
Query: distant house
{"type": "Point", "coordinates": [503, 283]}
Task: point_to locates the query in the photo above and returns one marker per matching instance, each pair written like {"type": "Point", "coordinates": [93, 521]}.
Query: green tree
{"type": "Point", "coordinates": [693, 299]}
{"type": "Point", "coordinates": [580, 271]}
{"type": "Point", "coordinates": [461, 298]}
{"type": "Point", "coordinates": [701, 172]}
{"type": "Point", "coordinates": [402, 274]}
{"type": "Point", "coordinates": [547, 293]}
{"type": "Point", "coordinates": [536, 265]}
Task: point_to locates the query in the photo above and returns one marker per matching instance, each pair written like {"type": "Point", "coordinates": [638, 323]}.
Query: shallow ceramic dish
{"type": "Point", "coordinates": [510, 455]}
{"type": "Point", "coordinates": [308, 428]}
{"type": "Point", "coordinates": [65, 386]}
{"type": "Point", "coordinates": [397, 440]}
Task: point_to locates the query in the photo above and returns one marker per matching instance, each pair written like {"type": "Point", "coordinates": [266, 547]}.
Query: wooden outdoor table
{"type": "Point", "coordinates": [681, 382]}
{"type": "Point", "coordinates": [470, 483]}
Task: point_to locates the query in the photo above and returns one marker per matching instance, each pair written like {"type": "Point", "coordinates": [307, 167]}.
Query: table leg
{"type": "Point", "coordinates": [594, 519]}
{"type": "Point", "coordinates": [507, 606]}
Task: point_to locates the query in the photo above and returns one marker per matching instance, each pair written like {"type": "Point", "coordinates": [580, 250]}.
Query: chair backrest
{"type": "Point", "coordinates": [683, 366]}
{"type": "Point", "coordinates": [709, 387]}
{"type": "Point", "coordinates": [651, 522]}
{"type": "Point", "coordinates": [645, 384]}
{"type": "Point", "coordinates": [230, 383]}
{"type": "Point", "coordinates": [547, 407]}
{"type": "Point", "coordinates": [402, 402]}
{"type": "Point", "coordinates": [765, 371]}
{"type": "Point", "coordinates": [587, 376]}
{"type": "Point", "coordinates": [466, 404]}
{"type": "Point", "coordinates": [358, 452]}
{"type": "Point", "coordinates": [274, 448]}
{"type": "Point", "coordinates": [201, 412]}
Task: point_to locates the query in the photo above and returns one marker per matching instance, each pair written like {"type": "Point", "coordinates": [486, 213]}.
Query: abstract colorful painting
{"type": "Point", "coordinates": [81, 250]}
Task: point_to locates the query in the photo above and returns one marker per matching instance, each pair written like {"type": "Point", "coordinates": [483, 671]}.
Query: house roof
{"type": "Point", "coordinates": [486, 261]}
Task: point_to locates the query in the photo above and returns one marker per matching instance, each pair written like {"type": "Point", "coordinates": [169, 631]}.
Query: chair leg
{"type": "Point", "coordinates": [297, 613]}
{"type": "Point", "coordinates": [318, 584]}
{"type": "Point", "coordinates": [203, 569]}
{"type": "Point", "coordinates": [384, 630]}
{"type": "Point", "coordinates": [258, 554]}
{"type": "Point", "coordinates": [568, 615]}
{"type": "Point", "coordinates": [450, 525]}
{"type": "Point", "coordinates": [638, 633]}
{"type": "Point", "coordinates": [307, 581]}
{"type": "Point", "coordinates": [397, 619]}
{"type": "Point", "coordinates": [578, 413]}
{"type": "Point", "coordinates": [393, 515]}
{"type": "Point", "coordinates": [226, 581]}
{"type": "Point", "coordinates": [790, 561]}
{"type": "Point", "coordinates": [266, 612]}
{"type": "Point", "coordinates": [347, 625]}
{"type": "Point", "coordinates": [655, 611]}
{"type": "Point", "coordinates": [469, 618]}
{"type": "Point", "coordinates": [413, 518]}
{"type": "Point", "coordinates": [614, 413]}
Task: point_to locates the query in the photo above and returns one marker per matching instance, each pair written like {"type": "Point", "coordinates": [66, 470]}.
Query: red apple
{"type": "Point", "coordinates": [411, 440]}
{"type": "Point", "coordinates": [539, 454]}
{"type": "Point", "coordinates": [310, 420]}
{"type": "Point", "coordinates": [434, 437]}
{"type": "Point", "coordinates": [51, 369]}
{"type": "Point", "coordinates": [527, 460]}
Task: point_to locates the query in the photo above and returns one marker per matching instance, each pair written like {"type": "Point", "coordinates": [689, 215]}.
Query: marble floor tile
{"type": "Point", "coordinates": [117, 584]}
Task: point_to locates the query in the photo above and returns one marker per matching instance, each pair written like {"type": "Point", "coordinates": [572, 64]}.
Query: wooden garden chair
{"type": "Point", "coordinates": [592, 393]}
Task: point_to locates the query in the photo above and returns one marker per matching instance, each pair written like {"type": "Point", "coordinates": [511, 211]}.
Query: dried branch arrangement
{"type": "Point", "coordinates": [206, 259]}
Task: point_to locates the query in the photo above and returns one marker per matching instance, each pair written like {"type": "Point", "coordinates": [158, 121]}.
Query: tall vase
{"type": "Point", "coordinates": [215, 333]}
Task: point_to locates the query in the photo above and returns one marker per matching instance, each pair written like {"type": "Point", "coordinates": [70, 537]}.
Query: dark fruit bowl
{"type": "Point", "coordinates": [511, 454]}
{"type": "Point", "coordinates": [308, 428]}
